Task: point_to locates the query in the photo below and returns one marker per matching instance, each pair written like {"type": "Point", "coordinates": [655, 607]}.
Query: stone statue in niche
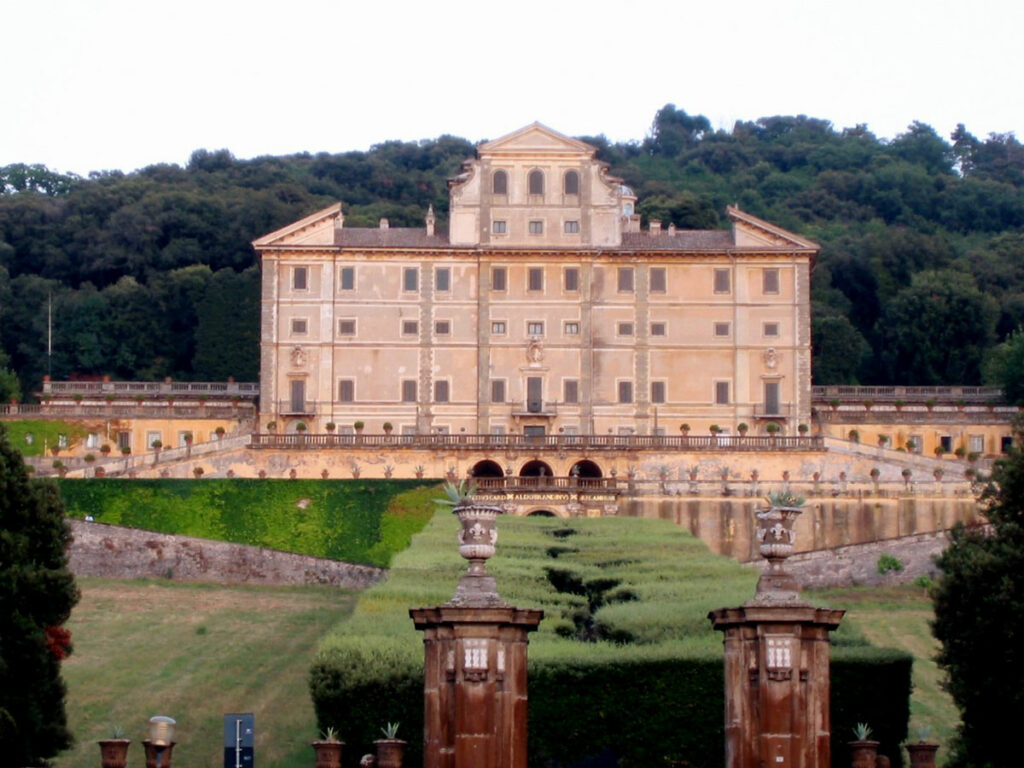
{"type": "Point", "coordinates": [298, 357]}
{"type": "Point", "coordinates": [534, 351]}
{"type": "Point", "coordinates": [771, 358]}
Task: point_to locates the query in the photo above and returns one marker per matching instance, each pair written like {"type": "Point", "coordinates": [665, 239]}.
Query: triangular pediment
{"type": "Point", "coordinates": [752, 232]}
{"type": "Point", "coordinates": [536, 139]}
{"type": "Point", "coordinates": [315, 229]}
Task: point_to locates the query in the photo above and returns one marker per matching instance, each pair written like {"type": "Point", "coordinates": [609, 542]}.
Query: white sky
{"type": "Point", "coordinates": [120, 84]}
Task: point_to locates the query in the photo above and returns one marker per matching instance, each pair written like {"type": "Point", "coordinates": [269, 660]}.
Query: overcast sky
{"type": "Point", "coordinates": [120, 84]}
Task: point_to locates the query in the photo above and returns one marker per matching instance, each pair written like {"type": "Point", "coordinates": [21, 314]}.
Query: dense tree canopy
{"type": "Point", "coordinates": [132, 257]}
{"type": "Point", "coordinates": [979, 621]}
{"type": "Point", "coordinates": [37, 592]}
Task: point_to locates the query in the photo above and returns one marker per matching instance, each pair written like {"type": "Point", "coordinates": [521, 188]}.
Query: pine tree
{"type": "Point", "coordinates": [37, 592]}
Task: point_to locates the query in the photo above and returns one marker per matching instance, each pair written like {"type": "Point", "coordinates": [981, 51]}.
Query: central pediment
{"type": "Point", "coordinates": [537, 140]}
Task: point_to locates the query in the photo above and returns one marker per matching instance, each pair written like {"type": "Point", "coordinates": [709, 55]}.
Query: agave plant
{"type": "Point", "coordinates": [862, 731]}
{"type": "Point", "coordinates": [784, 499]}
{"type": "Point", "coordinates": [330, 733]}
{"type": "Point", "coordinates": [390, 731]}
{"type": "Point", "coordinates": [458, 494]}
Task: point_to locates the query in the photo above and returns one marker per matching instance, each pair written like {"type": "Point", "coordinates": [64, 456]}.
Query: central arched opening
{"type": "Point", "coordinates": [535, 468]}
{"type": "Point", "coordinates": [487, 468]}
{"type": "Point", "coordinates": [585, 468]}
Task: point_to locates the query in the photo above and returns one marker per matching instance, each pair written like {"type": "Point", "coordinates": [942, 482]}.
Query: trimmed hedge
{"type": "Point", "coordinates": [656, 701]}
{"type": "Point", "coordinates": [357, 521]}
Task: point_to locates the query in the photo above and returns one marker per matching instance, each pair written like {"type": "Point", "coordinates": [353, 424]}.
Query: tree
{"type": "Point", "coordinates": [979, 621]}
{"type": "Point", "coordinates": [37, 592]}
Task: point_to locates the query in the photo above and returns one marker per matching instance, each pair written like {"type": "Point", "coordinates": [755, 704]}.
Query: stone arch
{"type": "Point", "coordinates": [487, 468]}
{"type": "Point", "coordinates": [535, 468]}
{"type": "Point", "coordinates": [587, 468]}
{"type": "Point", "coordinates": [541, 512]}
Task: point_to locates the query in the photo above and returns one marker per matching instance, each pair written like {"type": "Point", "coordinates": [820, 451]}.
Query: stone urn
{"type": "Point", "coordinates": [775, 537]}
{"type": "Point", "coordinates": [477, 537]}
{"type": "Point", "coordinates": [328, 753]}
{"type": "Point", "coordinates": [922, 754]}
{"type": "Point", "coordinates": [863, 754]}
{"type": "Point", "coordinates": [390, 753]}
{"type": "Point", "coordinates": [114, 753]}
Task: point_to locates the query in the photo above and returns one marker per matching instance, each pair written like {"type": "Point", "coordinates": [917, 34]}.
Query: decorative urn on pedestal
{"type": "Point", "coordinates": [775, 537]}
{"type": "Point", "coordinates": [477, 537]}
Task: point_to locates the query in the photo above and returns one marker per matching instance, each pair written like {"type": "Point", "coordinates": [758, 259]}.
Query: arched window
{"type": "Point", "coordinates": [536, 182]}
{"type": "Point", "coordinates": [572, 183]}
{"type": "Point", "coordinates": [499, 183]}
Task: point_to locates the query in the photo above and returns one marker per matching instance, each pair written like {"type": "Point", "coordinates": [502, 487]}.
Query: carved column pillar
{"type": "Point", "coordinates": [776, 665]}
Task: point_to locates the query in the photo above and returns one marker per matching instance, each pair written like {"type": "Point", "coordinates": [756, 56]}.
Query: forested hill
{"type": "Point", "coordinates": [920, 277]}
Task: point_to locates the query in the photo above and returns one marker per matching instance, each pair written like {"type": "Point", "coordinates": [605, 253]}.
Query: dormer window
{"type": "Point", "coordinates": [572, 183]}
{"type": "Point", "coordinates": [535, 182]}
{"type": "Point", "coordinates": [499, 183]}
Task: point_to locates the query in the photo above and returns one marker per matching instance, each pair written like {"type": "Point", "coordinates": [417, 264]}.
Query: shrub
{"type": "Point", "coordinates": [889, 563]}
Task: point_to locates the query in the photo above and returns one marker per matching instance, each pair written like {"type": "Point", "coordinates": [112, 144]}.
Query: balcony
{"type": "Point", "coordinates": [772, 410]}
{"type": "Point", "coordinates": [296, 408]}
{"type": "Point", "coordinates": [537, 409]}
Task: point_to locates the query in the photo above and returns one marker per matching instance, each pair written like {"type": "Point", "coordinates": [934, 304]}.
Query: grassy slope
{"type": "Point", "coordinates": [353, 521]}
{"type": "Point", "coordinates": [196, 652]}
{"type": "Point", "coordinates": [899, 617]}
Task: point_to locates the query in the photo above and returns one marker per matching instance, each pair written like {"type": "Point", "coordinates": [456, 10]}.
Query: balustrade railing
{"type": "Point", "coordinates": [185, 389]}
{"type": "Point", "coordinates": [889, 394]}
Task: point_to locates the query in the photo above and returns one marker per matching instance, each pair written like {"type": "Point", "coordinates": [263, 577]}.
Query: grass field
{"type": "Point", "coordinates": [196, 652]}
{"type": "Point", "coordinates": [898, 617]}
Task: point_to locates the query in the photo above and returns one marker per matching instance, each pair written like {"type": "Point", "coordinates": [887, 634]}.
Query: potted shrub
{"type": "Point", "coordinates": [906, 475]}
{"type": "Point", "coordinates": [114, 751]}
{"type": "Point", "coordinates": [330, 426]}
{"type": "Point", "coordinates": [198, 472]}
{"type": "Point", "coordinates": [883, 440]}
{"type": "Point", "coordinates": [715, 430]}
{"type": "Point", "coordinates": [388, 427]}
{"type": "Point", "coordinates": [219, 432]}
{"type": "Point", "coordinates": [960, 452]}
{"type": "Point", "coordinates": [156, 445]}
{"type": "Point", "coordinates": [89, 458]}
{"type": "Point", "coordinates": [663, 471]}
{"type": "Point", "coordinates": [692, 472]}
{"type": "Point", "coordinates": [355, 470]}
{"type": "Point", "coordinates": [300, 427]}
{"type": "Point", "coordinates": [911, 444]}
{"type": "Point", "coordinates": [929, 404]}
{"type": "Point", "coordinates": [324, 473]}
{"type": "Point", "coordinates": [99, 472]}
{"type": "Point", "coordinates": [960, 404]}
{"type": "Point", "coordinates": [328, 749]}
{"type": "Point", "coordinates": [188, 437]}
{"type": "Point", "coordinates": [684, 429]}
{"type": "Point", "coordinates": [938, 451]}
{"type": "Point", "coordinates": [853, 435]}
{"type": "Point", "coordinates": [834, 403]}
{"type": "Point", "coordinates": [388, 470]}
{"type": "Point", "coordinates": [899, 405]}
{"type": "Point", "coordinates": [126, 449]}
{"type": "Point", "coordinates": [868, 404]}
{"type": "Point", "coordinates": [358, 426]}
{"type": "Point", "coordinates": [105, 449]}
{"type": "Point", "coordinates": [743, 428]}
{"type": "Point", "coordinates": [864, 751]}
{"type": "Point", "coordinates": [803, 429]}
{"type": "Point", "coordinates": [772, 429]}
{"type": "Point", "coordinates": [419, 471]}
{"type": "Point", "coordinates": [390, 750]}
{"type": "Point", "coordinates": [922, 753]}
{"type": "Point", "coordinates": [271, 426]}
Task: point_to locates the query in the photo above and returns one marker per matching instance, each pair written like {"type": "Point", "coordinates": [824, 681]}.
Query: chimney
{"type": "Point", "coordinates": [430, 221]}
{"type": "Point", "coordinates": [384, 224]}
{"type": "Point", "coordinates": [339, 224]}
{"type": "Point", "coordinates": [671, 229]}
{"type": "Point", "coordinates": [654, 226]}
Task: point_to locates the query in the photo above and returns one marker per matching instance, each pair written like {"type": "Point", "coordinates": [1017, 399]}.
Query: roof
{"type": "Point", "coordinates": [681, 240]}
{"type": "Point", "coordinates": [393, 237]}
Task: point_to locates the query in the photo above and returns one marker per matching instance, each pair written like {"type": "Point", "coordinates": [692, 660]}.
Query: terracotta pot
{"type": "Point", "coordinates": [114, 753]}
{"type": "Point", "coordinates": [390, 753]}
{"type": "Point", "coordinates": [922, 754]}
{"type": "Point", "coordinates": [328, 753]}
{"type": "Point", "coordinates": [864, 754]}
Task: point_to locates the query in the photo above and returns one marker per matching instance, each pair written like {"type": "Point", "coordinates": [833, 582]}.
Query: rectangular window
{"type": "Point", "coordinates": [915, 444]}
{"type": "Point", "coordinates": [442, 327]}
{"type": "Point", "coordinates": [658, 280]}
{"type": "Point", "coordinates": [571, 391]}
{"type": "Point", "coordinates": [497, 430]}
{"type": "Point", "coordinates": [1005, 444]}
{"type": "Point", "coordinates": [498, 327]}
{"type": "Point", "coordinates": [152, 437]}
{"type": "Point", "coordinates": [535, 279]}
{"type": "Point", "coordinates": [572, 279]}
{"type": "Point", "coordinates": [498, 391]}
{"type": "Point", "coordinates": [410, 327]}
{"type": "Point", "coordinates": [441, 391]}
{"type": "Point", "coordinates": [721, 329]}
{"type": "Point", "coordinates": [299, 278]}
{"type": "Point", "coordinates": [572, 227]}
{"type": "Point", "coordinates": [410, 279]}
{"type": "Point", "coordinates": [93, 440]}
{"type": "Point", "coordinates": [625, 279]}
{"type": "Point", "coordinates": [625, 391]}
{"type": "Point", "coordinates": [722, 282]}
{"type": "Point", "coordinates": [657, 391]}
{"type": "Point", "coordinates": [771, 330]}
{"type": "Point", "coordinates": [124, 439]}
{"type": "Point", "coordinates": [536, 227]}
{"type": "Point", "coordinates": [770, 281]}
{"type": "Point", "coordinates": [442, 279]}
{"type": "Point", "coordinates": [499, 227]}
{"type": "Point", "coordinates": [976, 443]}
{"type": "Point", "coordinates": [346, 327]}
{"type": "Point", "coordinates": [298, 326]}
{"type": "Point", "coordinates": [498, 275]}
{"type": "Point", "coordinates": [409, 391]}
{"type": "Point", "coordinates": [348, 278]}
{"type": "Point", "coordinates": [946, 443]}
{"type": "Point", "coordinates": [572, 329]}
{"type": "Point", "coordinates": [535, 329]}
{"type": "Point", "coordinates": [625, 329]}
{"type": "Point", "coordinates": [346, 391]}
{"type": "Point", "coordinates": [657, 329]}
{"type": "Point", "coordinates": [721, 392]}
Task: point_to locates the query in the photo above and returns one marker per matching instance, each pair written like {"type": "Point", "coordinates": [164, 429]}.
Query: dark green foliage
{"type": "Point", "coordinates": [979, 620]}
{"type": "Point", "coordinates": [37, 592]}
{"type": "Point", "coordinates": [351, 521]}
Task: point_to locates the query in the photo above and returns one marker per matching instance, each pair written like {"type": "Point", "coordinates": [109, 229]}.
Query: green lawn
{"type": "Point", "coordinates": [195, 653]}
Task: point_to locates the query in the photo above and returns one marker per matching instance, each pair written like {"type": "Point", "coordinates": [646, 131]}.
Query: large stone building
{"type": "Point", "coordinates": [544, 309]}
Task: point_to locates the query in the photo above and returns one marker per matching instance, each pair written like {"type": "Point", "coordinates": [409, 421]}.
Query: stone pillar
{"type": "Point", "coordinates": [776, 665]}
{"type": "Point", "coordinates": [474, 688]}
